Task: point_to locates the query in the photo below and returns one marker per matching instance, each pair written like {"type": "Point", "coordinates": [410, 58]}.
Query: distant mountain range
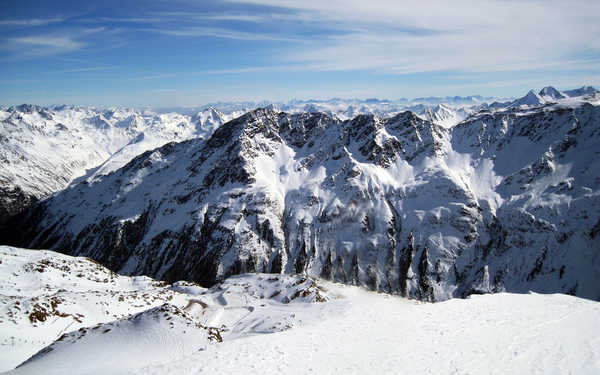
{"type": "Point", "coordinates": [348, 108]}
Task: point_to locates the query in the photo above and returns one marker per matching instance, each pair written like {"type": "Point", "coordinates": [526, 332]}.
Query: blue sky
{"type": "Point", "coordinates": [185, 53]}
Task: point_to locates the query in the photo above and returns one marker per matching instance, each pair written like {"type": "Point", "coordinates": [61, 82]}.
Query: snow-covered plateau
{"type": "Point", "coordinates": [62, 314]}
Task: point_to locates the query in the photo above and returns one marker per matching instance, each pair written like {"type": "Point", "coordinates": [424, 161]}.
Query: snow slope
{"type": "Point", "coordinates": [80, 309]}
{"type": "Point", "coordinates": [366, 333]}
{"type": "Point", "coordinates": [45, 294]}
{"type": "Point", "coordinates": [152, 337]}
{"type": "Point", "coordinates": [351, 331]}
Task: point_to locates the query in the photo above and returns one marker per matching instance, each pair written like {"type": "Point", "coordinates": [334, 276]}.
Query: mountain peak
{"type": "Point", "coordinates": [551, 92]}
{"type": "Point", "coordinates": [531, 99]}
{"type": "Point", "coordinates": [582, 91]}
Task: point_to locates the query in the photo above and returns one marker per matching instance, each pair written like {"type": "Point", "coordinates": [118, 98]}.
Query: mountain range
{"type": "Point", "coordinates": [445, 203]}
{"type": "Point", "coordinates": [45, 149]}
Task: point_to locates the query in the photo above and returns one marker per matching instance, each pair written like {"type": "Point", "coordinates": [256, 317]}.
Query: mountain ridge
{"type": "Point", "coordinates": [46, 148]}
{"type": "Point", "coordinates": [399, 204]}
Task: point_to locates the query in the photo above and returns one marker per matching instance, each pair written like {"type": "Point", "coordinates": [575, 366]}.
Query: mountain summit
{"type": "Point", "coordinates": [531, 99]}
{"type": "Point", "coordinates": [551, 93]}
{"type": "Point", "coordinates": [584, 90]}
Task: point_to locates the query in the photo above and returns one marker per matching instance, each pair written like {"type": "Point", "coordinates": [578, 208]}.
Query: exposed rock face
{"type": "Point", "coordinates": [508, 200]}
{"type": "Point", "coordinates": [13, 201]}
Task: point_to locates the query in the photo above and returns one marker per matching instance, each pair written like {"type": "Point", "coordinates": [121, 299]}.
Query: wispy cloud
{"type": "Point", "coordinates": [47, 43]}
{"type": "Point", "coordinates": [129, 19]}
{"type": "Point", "coordinates": [263, 17]}
{"type": "Point", "coordinates": [390, 37]}
{"type": "Point", "coordinates": [90, 69]}
{"type": "Point", "coordinates": [154, 76]}
{"type": "Point", "coordinates": [255, 18]}
{"type": "Point", "coordinates": [194, 18]}
{"type": "Point", "coordinates": [31, 22]}
{"type": "Point", "coordinates": [220, 33]}
{"type": "Point", "coordinates": [202, 16]}
{"type": "Point", "coordinates": [251, 69]}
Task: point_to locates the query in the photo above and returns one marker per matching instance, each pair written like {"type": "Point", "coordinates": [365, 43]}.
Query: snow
{"type": "Point", "coordinates": [549, 93]}
{"type": "Point", "coordinates": [531, 99]}
{"type": "Point", "coordinates": [70, 293]}
{"type": "Point", "coordinates": [273, 324]}
{"type": "Point", "coordinates": [445, 115]}
{"type": "Point", "coordinates": [584, 90]}
{"type": "Point", "coordinates": [370, 333]}
{"type": "Point", "coordinates": [503, 201]}
{"type": "Point", "coordinates": [38, 143]}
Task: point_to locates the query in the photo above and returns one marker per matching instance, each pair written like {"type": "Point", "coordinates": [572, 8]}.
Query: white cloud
{"type": "Point", "coordinates": [402, 37]}
{"type": "Point", "coordinates": [192, 16]}
{"type": "Point", "coordinates": [46, 44]}
{"type": "Point", "coordinates": [89, 69]}
{"type": "Point", "coordinates": [31, 22]}
{"type": "Point", "coordinates": [129, 19]}
{"type": "Point", "coordinates": [220, 33]}
{"type": "Point", "coordinates": [154, 76]}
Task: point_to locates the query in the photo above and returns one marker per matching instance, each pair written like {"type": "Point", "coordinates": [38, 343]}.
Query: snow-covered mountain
{"type": "Point", "coordinates": [547, 95]}
{"type": "Point", "coordinates": [61, 314]}
{"type": "Point", "coordinates": [444, 115]}
{"type": "Point", "coordinates": [550, 93]}
{"type": "Point", "coordinates": [43, 149]}
{"type": "Point", "coordinates": [507, 200]}
{"type": "Point", "coordinates": [46, 148]}
{"type": "Point", "coordinates": [531, 99]}
{"type": "Point", "coordinates": [582, 91]}
{"type": "Point", "coordinates": [346, 109]}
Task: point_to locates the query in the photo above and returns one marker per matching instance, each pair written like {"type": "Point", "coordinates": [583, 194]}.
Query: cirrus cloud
{"type": "Point", "coordinates": [409, 37]}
